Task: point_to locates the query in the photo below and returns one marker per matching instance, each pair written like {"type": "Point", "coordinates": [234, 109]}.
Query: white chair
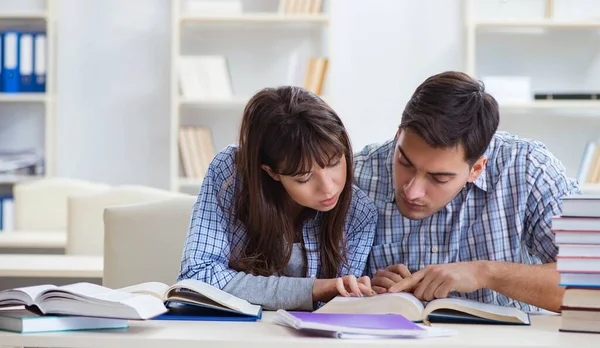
{"type": "Point", "coordinates": [144, 242]}
{"type": "Point", "coordinates": [85, 230]}
{"type": "Point", "coordinates": [41, 205]}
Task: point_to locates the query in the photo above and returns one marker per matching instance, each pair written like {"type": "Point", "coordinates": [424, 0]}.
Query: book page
{"type": "Point", "coordinates": [478, 309]}
{"type": "Point", "coordinates": [402, 303]}
{"type": "Point", "coordinates": [156, 289]}
{"type": "Point", "coordinates": [213, 294]}
{"type": "Point", "coordinates": [25, 295]}
{"type": "Point", "coordinates": [95, 300]}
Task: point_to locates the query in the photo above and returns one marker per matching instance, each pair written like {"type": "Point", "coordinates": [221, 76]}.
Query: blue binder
{"type": "Point", "coordinates": [1, 61]}
{"type": "Point", "coordinates": [39, 62]}
{"type": "Point", "coordinates": [10, 61]}
{"type": "Point", "coordinates": [26, 52]}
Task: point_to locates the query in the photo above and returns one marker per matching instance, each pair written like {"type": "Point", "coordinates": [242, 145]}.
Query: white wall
{"type": "Point", "coordinates": [381, 51]}
{"type": "Point", "coordinates": [113, 75]}
{"type": "Point", "coordinates": [113, 91]}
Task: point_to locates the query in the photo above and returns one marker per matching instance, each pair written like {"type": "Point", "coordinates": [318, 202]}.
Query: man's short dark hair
{"type": "Point", "coordinates": [450, 109]}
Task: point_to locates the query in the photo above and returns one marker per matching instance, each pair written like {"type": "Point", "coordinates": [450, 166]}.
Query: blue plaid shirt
{"type": "Point", "coordinates": [504, 215]}
{"type": "Point", "coordinates": [214, 233]}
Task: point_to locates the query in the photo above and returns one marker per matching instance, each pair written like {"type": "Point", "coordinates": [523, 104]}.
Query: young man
{"type": "Point", "coordinates": [464, 210]}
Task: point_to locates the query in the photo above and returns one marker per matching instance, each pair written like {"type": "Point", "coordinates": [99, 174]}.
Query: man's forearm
{"type": "Point", "coordinates": [533, 284]}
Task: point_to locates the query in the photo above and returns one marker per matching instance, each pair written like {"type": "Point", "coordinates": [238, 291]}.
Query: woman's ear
{"type": "Point", "coordinates": [271, 173]}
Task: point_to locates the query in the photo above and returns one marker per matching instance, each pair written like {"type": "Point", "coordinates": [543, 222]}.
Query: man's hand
{"type": "Point", "coordinates": [386, 278]}
{"type": "Point", "coordinates": [437, 281]}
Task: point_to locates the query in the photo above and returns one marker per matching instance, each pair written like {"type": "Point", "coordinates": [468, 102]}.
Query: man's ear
{"type": "Point", "coordinates": [477, 169]}
{"type": "Point", "coordinates": [271, 173]}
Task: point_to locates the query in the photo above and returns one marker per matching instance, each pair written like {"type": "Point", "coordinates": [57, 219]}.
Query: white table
{"type": "Point", "coordinates": [264, 334]}
{"type": "Point", "coordinates": [33, 239]}
{"type": "Point", "coordinates": [51, 266]}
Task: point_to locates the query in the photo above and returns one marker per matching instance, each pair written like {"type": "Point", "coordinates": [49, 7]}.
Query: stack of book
{"type": "Point", "coordinates": [79, 306]}
{"type": "Point", "coordinates": [577, 234]}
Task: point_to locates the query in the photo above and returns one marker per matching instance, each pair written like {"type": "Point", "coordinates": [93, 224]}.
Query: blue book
{"type": "Point", "coordinates": [440, 310]}
{"type": "Point", "coordinates": [10, 61]}
{"type": "Point", "coordinates": [24, 321]}
{"type": "Point", "coordinates": [191, 299]}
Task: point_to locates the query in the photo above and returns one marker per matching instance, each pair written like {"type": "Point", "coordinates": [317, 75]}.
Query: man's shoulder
{"type": "Point", "coordinates": [507, 149]}
{"type": "Point", "coordinates": [521, 160]}
{"type": "Point", "coordinates": [373, 169]}
{"type": "Point", "coordinates": [372, 155]}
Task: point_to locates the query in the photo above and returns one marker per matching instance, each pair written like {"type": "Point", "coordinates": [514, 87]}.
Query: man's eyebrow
{"type": "Point", "coordinates": [404, 155]}
{"type": "Point", "coordinates": [430, 173]}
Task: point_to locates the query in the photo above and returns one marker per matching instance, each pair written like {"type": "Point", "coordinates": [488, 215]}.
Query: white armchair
{"type": "Point", "coordinates": [141, 235]}
{"type": "Point", "coordinates": [41, 205]}
{"type": "Point", "coordinates": [85, 230]}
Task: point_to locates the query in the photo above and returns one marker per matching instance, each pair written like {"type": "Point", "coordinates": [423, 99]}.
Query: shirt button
{"type": "Point", "coordinates": [434, 249]}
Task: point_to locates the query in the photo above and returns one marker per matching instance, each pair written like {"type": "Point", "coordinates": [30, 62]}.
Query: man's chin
{"type": "Point", "coordinates": [413, 214]}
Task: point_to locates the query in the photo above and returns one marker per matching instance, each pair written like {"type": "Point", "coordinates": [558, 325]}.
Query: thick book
{"type": "Point", "coordinates": [83, 299]}
{"type": "Point", "coordinates": [357, 325]}
{"type": "Point", "coordinates": [197, 300]}
{"type": "Point", "coordinates": [441, 310]}
{"type": "Point", "coordinates": [25, 321]}
{"type": "Point", "coordinates": [581, 205]}
{"type": "Point", "coordinates": [577, 319]}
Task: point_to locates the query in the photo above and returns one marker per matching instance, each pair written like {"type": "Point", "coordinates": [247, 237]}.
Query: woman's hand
{"type": "Point", "coordinates": [326, 289]}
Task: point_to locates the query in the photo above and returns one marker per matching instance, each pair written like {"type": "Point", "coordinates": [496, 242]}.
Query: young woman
{"type": "Point", "coordinates": [278, 221]}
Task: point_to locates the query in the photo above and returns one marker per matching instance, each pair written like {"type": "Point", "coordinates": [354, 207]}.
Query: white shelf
{"type": "Point", "coordinates": [542, 23]}
{"type": "Point", "coordinates": [256, 18]}
{"type": "Point", "coordinates": [590, 188]}
{"type": "Point", "coordinates": [188, 182]}
{"type": "Point", "coordinates": [22, 97]}
{"type": "Point", "coordinates": [553, 104]}
{"type": "Point", "coordinates": [218, 103]}
{"type": "Point", "coordinates": [24, 15]}
{"type": "Point", "coordinates": [13, 179]}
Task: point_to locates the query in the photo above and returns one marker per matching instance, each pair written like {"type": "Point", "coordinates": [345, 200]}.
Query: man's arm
{"type": "Point", "coordinates": [533, 284]}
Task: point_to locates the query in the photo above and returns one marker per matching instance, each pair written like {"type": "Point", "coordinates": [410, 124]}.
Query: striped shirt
{"type": "Point", "coordinates": [215, 234]}
{"type": "Point", "coordinates": [504, 215]}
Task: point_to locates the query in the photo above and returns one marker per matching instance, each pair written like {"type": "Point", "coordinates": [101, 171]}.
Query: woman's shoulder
{"type": "Point", "coordinates": [362, 204]}
{"type": "Point", "coordinates": [223, 164]}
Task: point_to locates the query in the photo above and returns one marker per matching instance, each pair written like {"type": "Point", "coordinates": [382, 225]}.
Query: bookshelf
{"type": "Point", "coordinates": [263, 45]}
{"type": "Point", "coordinates": [27, 120]}
{"type": "Point", "coordinates": [554, 43]}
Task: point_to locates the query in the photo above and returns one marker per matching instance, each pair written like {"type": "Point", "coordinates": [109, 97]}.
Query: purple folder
{"type": "Point", "coordinates": [351, 325]}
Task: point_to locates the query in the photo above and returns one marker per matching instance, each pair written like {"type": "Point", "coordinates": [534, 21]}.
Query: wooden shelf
{"type": "Point", "coordinates": [257, 18]}
{"type": "Point", "coordinates": [543, 23]}
{"type": "Point", "coordinates": [24, 15]}
{"type": "Point", "coordinates": [23, 97]}
{"type": "Point", "coordinates": [553, 104]}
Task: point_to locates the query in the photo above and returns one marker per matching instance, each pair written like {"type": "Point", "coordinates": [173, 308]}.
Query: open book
{"type": "Point", "coordinates": [83, 299]}
{"type": "Point", "coordinates": [195, 298]}
{"type": "Point", "coordinates": [406, 304]}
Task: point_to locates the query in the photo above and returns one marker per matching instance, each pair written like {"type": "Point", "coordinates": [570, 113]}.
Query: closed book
{"type": "Point", "coordinates": [24, 321]}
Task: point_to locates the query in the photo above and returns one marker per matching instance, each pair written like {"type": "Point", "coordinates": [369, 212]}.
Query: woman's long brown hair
{"type": "Point", "coordinates": [288, 129]}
